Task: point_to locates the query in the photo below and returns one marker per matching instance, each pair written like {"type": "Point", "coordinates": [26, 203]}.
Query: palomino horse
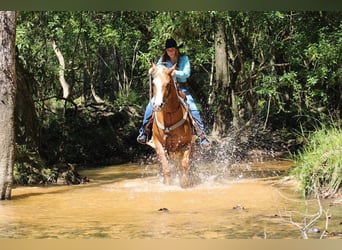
{"type": "Point", "coordinates": [171, 131]}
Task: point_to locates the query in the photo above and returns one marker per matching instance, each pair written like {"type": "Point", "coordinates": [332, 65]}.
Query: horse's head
{"type": "Point", "coordinates": [162, 85]}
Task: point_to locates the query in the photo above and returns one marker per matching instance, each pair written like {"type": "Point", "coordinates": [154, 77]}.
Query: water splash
{"type": "Point", "coordinates": [234, 157]}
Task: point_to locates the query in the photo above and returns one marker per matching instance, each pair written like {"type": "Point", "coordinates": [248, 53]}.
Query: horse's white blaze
{"type": "Point", "coordinates": [159, 94]}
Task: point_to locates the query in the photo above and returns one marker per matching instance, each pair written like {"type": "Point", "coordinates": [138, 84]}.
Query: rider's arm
{"type": "Point", "coordinates": [183, 70]}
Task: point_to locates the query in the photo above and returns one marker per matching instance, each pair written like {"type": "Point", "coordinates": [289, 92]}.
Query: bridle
{"type": "Point", "coordinates": [165, 99]}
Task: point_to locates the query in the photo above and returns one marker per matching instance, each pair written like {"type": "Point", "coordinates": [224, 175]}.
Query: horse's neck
{"type": "Point", "coordinates": [173, 103]}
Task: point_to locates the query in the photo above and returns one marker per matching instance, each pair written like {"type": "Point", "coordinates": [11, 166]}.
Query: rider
{"type": "Point", "coordinates": [182, 73]}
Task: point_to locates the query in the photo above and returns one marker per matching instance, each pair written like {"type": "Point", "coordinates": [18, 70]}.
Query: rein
{"type": "Point", "coordinates": [150, 87]}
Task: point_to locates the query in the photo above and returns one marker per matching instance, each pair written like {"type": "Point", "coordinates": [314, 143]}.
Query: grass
{"type": "Point", "coordinates": [319, 164]}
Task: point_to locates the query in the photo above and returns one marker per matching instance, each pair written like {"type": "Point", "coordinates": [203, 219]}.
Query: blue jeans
{"type": "Point", "coordinates": [192, 107]}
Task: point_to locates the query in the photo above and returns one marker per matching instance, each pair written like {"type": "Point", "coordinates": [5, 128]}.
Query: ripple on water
{"type": "Point", "coordinates": [113, 206]}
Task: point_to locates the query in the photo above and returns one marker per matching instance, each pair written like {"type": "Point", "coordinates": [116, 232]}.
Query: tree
{"type": "Point", "coordinates": [64, 83]}
{"type": "Point", "coordinates": [221, 94]}
{"type": "Point", "coordinates": [7, 101]}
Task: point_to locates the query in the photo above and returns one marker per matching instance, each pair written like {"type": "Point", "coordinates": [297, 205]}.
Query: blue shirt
{"type": "Point", "coordinates": [183, 68]}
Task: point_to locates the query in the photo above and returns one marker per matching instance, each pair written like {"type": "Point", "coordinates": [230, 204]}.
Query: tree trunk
{"type": "Point", "coordinates": [221, 95]}
{"type": "Point", "coordinates": [26, 120]}
{"type": "Point", "coordinates": [235, 87]}
{"type": "Point", "coordinates": [7, 101]}
{"type": "Point", "coordinates": [64, 83]}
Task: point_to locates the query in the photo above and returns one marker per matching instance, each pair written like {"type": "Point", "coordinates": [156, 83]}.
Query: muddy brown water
{"type": "Point", "coordinates": [131, 202]}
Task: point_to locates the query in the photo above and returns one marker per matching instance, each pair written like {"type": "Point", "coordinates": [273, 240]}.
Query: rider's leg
{"type": "Point", "coordinates": [196, 117]}
{"type": "Point", "coordinates": [144, 131]}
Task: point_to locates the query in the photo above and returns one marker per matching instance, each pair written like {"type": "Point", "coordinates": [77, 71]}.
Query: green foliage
{"type": "Point", "coordinates": [319, 165]}
{"type": "Point", "coordinates": [292, 57]}
{"type": "Point", "coordinates": [97, 134]}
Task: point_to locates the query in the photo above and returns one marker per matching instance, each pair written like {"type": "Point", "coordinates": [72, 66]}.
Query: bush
{"type": "Point", "coordinates": [319, 164]}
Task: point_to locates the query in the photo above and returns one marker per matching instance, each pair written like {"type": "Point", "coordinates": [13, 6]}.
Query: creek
{"type": "Point", "coordinates": [251, 201]}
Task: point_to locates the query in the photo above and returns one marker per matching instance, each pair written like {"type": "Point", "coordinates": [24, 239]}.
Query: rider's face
{"type": "Point", "coordinates": [171, 52]}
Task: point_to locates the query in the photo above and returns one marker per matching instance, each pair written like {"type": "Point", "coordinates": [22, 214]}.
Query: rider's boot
{"type": "Point", "coordinates": [142, 138]}
{"type": "Point", "coordinates": [203, 140]}
{"type": "Point", "coordinates": [145, 132]}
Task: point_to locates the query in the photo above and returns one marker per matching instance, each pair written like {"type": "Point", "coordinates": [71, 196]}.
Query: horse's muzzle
{"type": "Point", "coordinates": [158, 107]}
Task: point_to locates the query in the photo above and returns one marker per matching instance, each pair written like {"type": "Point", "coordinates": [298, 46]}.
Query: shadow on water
{"type": "Point", "coordinates": [98, 177]}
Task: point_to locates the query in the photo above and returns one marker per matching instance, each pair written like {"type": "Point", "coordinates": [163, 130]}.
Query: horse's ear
{"type": "Point", "coordinates": [152, 69]}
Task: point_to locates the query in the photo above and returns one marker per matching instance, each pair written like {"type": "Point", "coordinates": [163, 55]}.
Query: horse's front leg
{"type": "Point", "coordinates": [166, 169]}
{"type": "Point", "coordinates": [185, 168]}
{"type": "Point", "coordinates": [162, 155]}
